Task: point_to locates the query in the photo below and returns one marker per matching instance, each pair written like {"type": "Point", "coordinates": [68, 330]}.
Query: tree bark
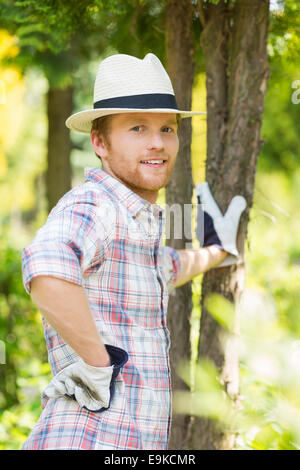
{"type": "Point", "coordinates": [180, 66]}
{"type": "Point", "coordinates": [234, 41]}
{"type": "Point", "coordinates": [58, 175]}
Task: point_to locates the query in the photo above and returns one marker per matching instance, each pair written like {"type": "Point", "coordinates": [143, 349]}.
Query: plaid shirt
{"type": "Point", "coordinates": [104, 237]}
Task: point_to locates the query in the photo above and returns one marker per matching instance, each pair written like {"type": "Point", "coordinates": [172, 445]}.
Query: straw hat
{"type": "Point", "coordinates": [126, 84]}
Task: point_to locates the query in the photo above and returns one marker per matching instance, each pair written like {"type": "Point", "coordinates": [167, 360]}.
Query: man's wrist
{"type": "Point", "coordinates": [98, 360]}
{"type": "Point", "coordinates": [97, 363]}
{"type": "Point", "coordinates": [218, 252]}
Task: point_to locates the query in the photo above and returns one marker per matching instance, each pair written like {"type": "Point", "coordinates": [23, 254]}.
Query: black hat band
{"type": "Point", "coordinates": [148, 101]}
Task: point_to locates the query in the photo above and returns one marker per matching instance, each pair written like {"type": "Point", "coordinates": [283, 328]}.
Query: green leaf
{"type": "Point", "coordinates": [222, 310]}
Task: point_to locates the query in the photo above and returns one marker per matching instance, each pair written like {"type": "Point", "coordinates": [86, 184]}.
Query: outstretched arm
{"type": "Point", "coordinates": [195, 262]}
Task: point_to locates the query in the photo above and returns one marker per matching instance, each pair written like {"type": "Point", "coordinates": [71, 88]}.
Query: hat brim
{"type": "Point", "coordinates": [82, 121]}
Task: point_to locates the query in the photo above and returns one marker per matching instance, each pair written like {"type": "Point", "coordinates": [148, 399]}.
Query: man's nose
{"type": "Point", "coordinates": [155, 141]}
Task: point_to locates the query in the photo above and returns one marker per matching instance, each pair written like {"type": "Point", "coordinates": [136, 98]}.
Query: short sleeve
{"type": "Point", "coordinates": [72, 240]}
{"type": "Point", "coordinates": [170, 265]}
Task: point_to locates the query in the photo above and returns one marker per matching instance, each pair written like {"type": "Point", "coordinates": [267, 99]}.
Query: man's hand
{"type": "Point", "coordinates": [215, 229]}
{"type": "Point", "coordinates": [92, 387]}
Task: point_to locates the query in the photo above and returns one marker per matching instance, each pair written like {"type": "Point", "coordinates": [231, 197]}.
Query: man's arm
{"type": "Point", "coordinates": [65, 307]}
{"type": "Point", "coordinates": [195, 262]}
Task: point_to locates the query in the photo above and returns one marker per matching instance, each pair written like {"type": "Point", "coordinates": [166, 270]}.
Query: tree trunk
{"type": "Point", "coordinates": [58, 175]}
{"type": "Point", "coordinates": [180, 66]}
{"type": "Point", "coordinates": [234, 41]}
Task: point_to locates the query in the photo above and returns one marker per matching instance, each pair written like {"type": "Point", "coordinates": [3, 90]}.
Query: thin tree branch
{"type": "Point", "coordinates": [274, 204]}
{"type": "Point", "coordinates": [201, 12]}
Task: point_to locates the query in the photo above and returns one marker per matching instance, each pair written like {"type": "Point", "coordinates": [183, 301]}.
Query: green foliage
{"type": "Point", "coordinates": [60, 36]}
{"type": "Point", "coordinates": [50, 24]}
{"type": "Point", "coordinates": [67, 39]}
{"type": "Point", "coordinates": [280, 131]}
{"type": "Point", "coordinates": [138, 28]}
{"type": "Point", "coordinates": [25, 369]}
{"type": "Point", "coordinates": [16, 423]}
{"type": "Point", "coordinates": [221, 309]}
{"type": "Point", "coordinates": [47, 36]}
{"type": "Point", "coordinates": [266, 413]}
{"type": "Point", "coordinates": [84, 28]}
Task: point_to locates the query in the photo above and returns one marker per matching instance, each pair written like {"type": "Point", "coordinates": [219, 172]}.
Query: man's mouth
{"type": "Point", "coordinates": [154, 163]}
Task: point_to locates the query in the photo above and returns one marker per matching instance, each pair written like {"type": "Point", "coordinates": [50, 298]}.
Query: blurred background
{"type": "Point", "coordinates": [269, 343]}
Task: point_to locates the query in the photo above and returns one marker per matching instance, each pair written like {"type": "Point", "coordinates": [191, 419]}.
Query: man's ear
{"type": "Point", "coordinates": [99, 144]}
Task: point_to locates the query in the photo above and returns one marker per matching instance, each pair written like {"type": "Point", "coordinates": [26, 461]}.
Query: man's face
{"type": "Point", "coordinates": [137, 138]}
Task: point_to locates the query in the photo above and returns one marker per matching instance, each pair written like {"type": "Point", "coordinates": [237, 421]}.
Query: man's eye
{"type": "Point", "coordinates": [136, 128]}
{"type": "Point", "coordinates": [167, 129]}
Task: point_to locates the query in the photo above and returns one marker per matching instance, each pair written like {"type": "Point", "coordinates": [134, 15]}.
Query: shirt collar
{"type": "Point", "coordinates": [132, 201]}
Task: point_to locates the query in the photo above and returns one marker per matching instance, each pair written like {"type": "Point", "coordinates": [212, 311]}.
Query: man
{"type": "Point", "coordinates": [99, 274]}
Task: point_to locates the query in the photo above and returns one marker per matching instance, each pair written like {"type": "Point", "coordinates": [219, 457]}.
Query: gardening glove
{"type": "Point", "coordinates": [215, 229]}
{"type": "Point", "coordinates": [92, 387]}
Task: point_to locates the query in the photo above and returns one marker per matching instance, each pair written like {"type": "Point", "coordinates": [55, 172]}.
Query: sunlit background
{"type": "Point", "coordinates": [268, 416]}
